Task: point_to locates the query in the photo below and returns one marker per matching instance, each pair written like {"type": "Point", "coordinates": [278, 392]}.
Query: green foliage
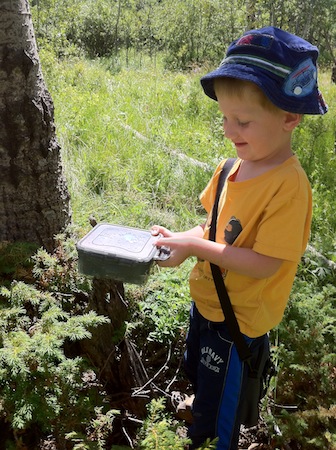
{"type": "Point", "coordinates": [158, 431]}
{"type": "Point", "coordinates": [97, 28]}
{"type": "Point", "coordinates": [54, 23]}
{"type": "Point", "coordinates": [58, 272]}
{"type": "Point", "coordinates": [132, 167]}
{"type": "Point", "coordinates": [99, 430]}
{"type": "Point", "coordinates": [314, 142]}
{"type": "Point", "coordinates": [38, 382]}
{"type": "Point", "coordinates": [15, 257]}
{"type": "Point", "coordinates": [164, 308]}
{"type": "Point", "coordinates": [310, 321]}
{"type": "Point", "coordinates": [40, 386]}
{"type": "Point", "coordinates": [306, 378]}
{"type": "Point", "coordinates": [312, 429]}
{"type": "Point", "coordinates": [102, 425]}
{"type": "Point", "coordinates": [192, 32]}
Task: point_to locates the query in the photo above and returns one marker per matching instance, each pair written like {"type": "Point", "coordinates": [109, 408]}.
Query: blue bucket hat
{"type": "Point", "coordinates": [281, 64]}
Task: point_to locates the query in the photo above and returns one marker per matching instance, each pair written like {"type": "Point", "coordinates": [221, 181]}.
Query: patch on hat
{"type": "Point", "coordinates": [256, 40]}
{"type": "Point", "coordinates": [302, 80]}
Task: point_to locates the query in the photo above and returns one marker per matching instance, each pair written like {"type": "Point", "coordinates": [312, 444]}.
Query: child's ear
{"type": "Point", "coordinates": [291, 120]}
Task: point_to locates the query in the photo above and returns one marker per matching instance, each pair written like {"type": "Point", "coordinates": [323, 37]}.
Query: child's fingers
{"type": "Point", "coordinates": [155, 230]}
{"type": "Point", "coordinates": [158, 229]}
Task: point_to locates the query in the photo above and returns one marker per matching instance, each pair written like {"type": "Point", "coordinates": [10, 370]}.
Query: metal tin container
{"type": "Point", "coordinates": [119, 253]}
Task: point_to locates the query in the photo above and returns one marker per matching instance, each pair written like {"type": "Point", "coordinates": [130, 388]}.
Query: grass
{"type": "Point", "coordinates": [140, 143]}
{"type": "Point", "coordinates": [128, 139]}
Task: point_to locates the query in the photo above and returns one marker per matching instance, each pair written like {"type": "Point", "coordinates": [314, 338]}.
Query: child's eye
{"type": "Point", "coordinates": [243, 124]}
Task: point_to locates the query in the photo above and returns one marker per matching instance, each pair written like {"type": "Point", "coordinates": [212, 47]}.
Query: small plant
{"type": "Point", "coordinates": [159, 429]}
{"type": "Point", "coordinates": [58, 272]}
{"type": "Point", "coordinates": [95, 437]}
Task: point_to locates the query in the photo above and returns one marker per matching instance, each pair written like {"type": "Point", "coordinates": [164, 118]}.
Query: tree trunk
{"type": "Point", "coordinates": [333, 73]}
{"type": "Point", "coordinates": [34, 200]}
{"type": "Point", "coordinates": [109, 350]}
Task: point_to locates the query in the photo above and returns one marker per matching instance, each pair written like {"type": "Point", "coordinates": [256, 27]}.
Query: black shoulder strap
{"type": "Point", "coordinates": [231, 320]}
{"type": "Point", "coordinates": [221, 180]}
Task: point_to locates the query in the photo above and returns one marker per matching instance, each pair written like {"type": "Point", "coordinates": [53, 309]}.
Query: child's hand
{"type": "Point", "coordinates": [175, 242]}
{"type": "Point", "coordinates": [179, 249]}
{"type": "Point", "coordinates": [157, 229]}
{"type": "Point", "coordinates": [163, 233]}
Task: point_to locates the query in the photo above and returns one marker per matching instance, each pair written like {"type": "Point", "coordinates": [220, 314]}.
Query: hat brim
{"type": "Point", "coordinates": [267, 84]}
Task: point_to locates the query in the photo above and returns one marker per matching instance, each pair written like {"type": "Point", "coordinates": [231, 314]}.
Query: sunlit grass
{"type": "Point", "coordinates": [126, 139]}
{"type": "Point", "coordinates": [139, 144]}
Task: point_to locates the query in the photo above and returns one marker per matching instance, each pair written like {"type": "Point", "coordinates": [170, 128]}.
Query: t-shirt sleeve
{"type": "Point", "coordinates": [283, 231]}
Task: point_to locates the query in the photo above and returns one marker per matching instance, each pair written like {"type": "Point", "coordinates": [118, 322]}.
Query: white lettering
{"type": "Point", "coordinates": [210, 359]}
{"type": "Point", "coordinates": [210, 366]}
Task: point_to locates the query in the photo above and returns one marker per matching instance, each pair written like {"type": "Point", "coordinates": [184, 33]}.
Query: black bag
{"type": "Point", "coordinates": [258, 380]}
{"type": "Point", "coordinates": [260, 366]}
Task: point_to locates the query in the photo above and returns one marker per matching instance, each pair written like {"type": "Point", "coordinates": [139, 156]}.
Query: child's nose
{"type": "Point", "coordinates": [230, 130]}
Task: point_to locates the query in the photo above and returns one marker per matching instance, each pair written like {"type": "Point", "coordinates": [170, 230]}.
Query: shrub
{"type": "Point", "coordinates": [38, 383]}
{"type": "Point", "coordinates": [41, 388]}
{"type": "Point", "coordinates": [307, 379]}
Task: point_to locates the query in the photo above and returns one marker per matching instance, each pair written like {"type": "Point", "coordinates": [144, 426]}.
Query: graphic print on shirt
{"type": "Point", "coordinates": [232, 230]}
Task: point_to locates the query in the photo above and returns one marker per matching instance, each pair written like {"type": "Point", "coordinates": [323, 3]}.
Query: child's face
{"type": "Point", "coordinates": [257, 133]}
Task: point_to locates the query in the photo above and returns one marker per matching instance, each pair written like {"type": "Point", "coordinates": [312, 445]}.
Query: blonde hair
{"type": "Point", "coordinates": [239, 88]}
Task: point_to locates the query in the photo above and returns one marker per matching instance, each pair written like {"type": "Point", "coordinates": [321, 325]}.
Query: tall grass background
{"type": "Point", "coordinates": [139, 143]}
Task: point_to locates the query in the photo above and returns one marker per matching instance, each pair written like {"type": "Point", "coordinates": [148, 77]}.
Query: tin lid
{"type": "Point", "coordinates": [119, 241]}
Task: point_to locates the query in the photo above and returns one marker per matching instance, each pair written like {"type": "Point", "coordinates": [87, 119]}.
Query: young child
{"type": "Point", "coordinates": [264, 85]}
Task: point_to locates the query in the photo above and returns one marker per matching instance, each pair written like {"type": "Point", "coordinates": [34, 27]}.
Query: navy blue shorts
{"type": "Point", "coordinates": [218, 376]}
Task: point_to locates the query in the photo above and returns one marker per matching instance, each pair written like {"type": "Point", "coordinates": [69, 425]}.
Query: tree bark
{"type": "Point", "coordinates": [34, 200]}
{"type": "Point", "coordinates": [109, 350]}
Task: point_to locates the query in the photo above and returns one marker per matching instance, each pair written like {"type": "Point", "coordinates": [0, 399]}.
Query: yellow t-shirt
{"type": "Point", "coordinates": [271, 214]}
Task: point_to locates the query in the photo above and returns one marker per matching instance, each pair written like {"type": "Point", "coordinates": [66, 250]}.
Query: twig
{"type": "Point", "coordinates": [106, 362]}
{"type": "Point", "coordinates": [132, 352]}
{"type": "Point", "coordinates": [172, 381]}
{"type": "Point", "coordinates": [165, 393]}
{"type": "Point", "coordinates": [164, 367]}
{"type": "Point", "coordinates": [134, 419]}
{"type": "Point", "coordinates": [127, 436]}
{"type": "Point", "coordinates": [286, 407]}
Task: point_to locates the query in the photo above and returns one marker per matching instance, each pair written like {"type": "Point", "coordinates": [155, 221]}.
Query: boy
{"type": "Point", "coordinates": [264, 85]}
